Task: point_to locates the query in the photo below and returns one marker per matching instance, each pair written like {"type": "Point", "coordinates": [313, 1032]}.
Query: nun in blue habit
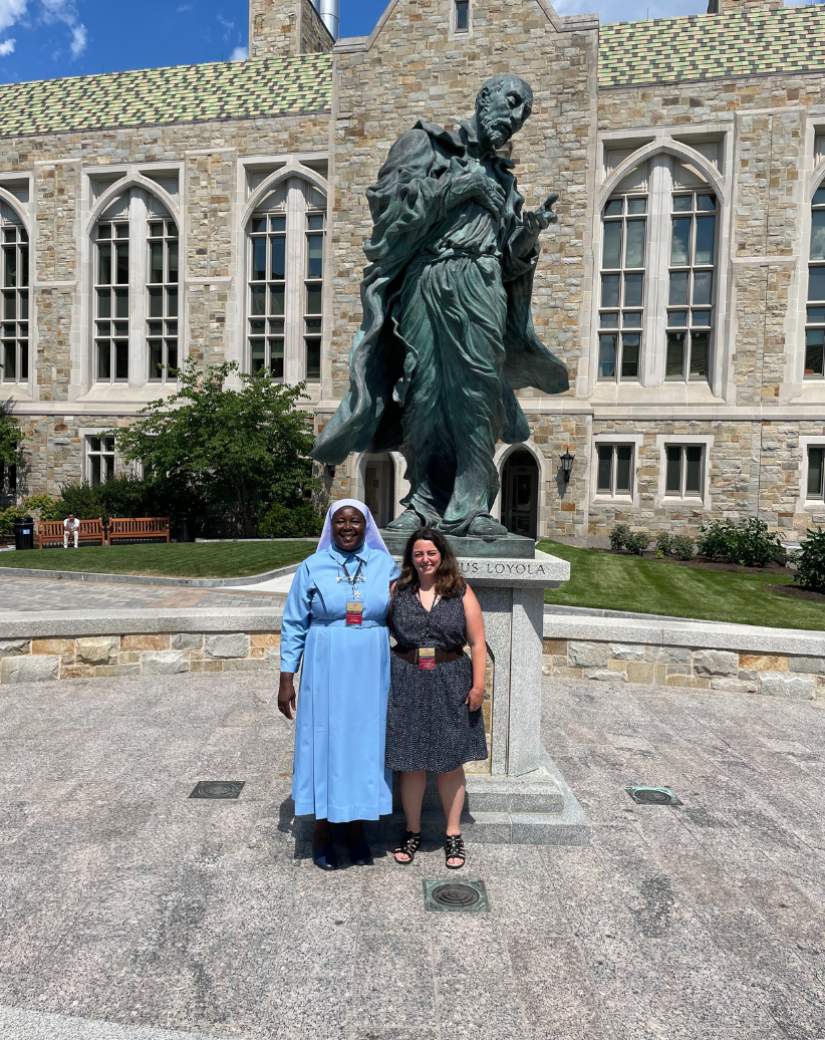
{"type": "Point", "coordinates": [335, 619]}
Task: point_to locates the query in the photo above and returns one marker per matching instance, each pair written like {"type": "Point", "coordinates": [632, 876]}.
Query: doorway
{"type": "Point", "coordinates": [520, 494]}
{"type": "Point", "coordinates": [379, 488]}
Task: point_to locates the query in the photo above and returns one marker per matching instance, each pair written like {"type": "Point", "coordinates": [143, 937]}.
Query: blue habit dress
{"type": "Point", "coordinates": [340, 733]}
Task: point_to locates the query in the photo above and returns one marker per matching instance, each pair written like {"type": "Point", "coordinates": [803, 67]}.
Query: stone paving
{"type": "Point", "coordinates": [128, 912]}
{"type": "Point", "coordinates": [31, 594]}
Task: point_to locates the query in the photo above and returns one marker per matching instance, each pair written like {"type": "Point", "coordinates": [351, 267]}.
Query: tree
{"type": "Point", "coordinates": [226, 445]}
{"type": "Point", "coordinates": [10, 441]}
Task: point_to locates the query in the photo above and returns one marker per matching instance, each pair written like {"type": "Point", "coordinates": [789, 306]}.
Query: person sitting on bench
{"type": "Point", "coordinates": [71, 526]}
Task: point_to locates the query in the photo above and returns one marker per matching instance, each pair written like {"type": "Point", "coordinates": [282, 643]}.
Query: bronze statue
{"type": "Point", "coordinates": [447, 334]}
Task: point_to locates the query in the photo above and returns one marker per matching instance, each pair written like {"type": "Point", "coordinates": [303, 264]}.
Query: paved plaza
{"type": "Point", "coordinates": [34, 594]}
{"type": "Point", "coordinates": [129, 912]}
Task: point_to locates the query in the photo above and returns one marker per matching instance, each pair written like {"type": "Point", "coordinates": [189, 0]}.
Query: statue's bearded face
{"type": "Point", "coordinates": [502, 108]}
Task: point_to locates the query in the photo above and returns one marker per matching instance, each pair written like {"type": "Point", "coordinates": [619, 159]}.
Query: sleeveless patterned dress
{"type": "Point", "coordinates": [428, 724]}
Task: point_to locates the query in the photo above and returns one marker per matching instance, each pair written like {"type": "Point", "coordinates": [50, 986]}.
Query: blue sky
{"type": "Point", "coordinates": [41, 39]}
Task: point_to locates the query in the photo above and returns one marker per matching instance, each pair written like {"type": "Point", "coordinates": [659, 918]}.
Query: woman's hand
{"type": "Point", "coordinates": [475, 698]}
{"type": "Point", "coordinates": [286, 695]}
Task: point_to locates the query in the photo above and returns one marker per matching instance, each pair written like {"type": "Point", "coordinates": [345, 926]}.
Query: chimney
{"type": "Point", "coordinates": [330, 13]}
{"type": "Point", "coordinates": [729, 6]}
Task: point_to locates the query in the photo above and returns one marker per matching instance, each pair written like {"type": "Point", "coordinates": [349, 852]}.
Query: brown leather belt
{"type": "Point", "coordinates": [441, 656]}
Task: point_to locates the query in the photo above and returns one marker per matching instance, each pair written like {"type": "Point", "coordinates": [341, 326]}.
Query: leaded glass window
{"type": "Point", "coordinates": [162, 299]}
{"type": "Point", "coordinates": [816, 474]}
{"type": "Point", "coordinates": [685, 470]}
{"type": "Point", "coordinates": [14, 356]}
{"type": "Point", "coordinates": [690, 295]}
{"type": "Point", "coordinates": [815, 319]}
{"type": "Point", "coordinates": [112, 301]}
{"type": "Point", "coordinates": [624, 224]}
{"type": "Point", "coordinates": [615, 469]}
{"type": "Point", "coordinates": [100, 459]}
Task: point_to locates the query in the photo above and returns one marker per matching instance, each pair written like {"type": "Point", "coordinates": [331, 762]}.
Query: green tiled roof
{"type": "Point", "coordinates": [712, 46]}
{"type": "Point", "coordinates": [181, 94]}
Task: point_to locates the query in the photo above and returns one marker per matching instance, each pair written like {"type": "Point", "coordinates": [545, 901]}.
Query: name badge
{"type": "Point", "coordinates": [355, 612]}
{"type": "Point", "coordinates": [426, 658]}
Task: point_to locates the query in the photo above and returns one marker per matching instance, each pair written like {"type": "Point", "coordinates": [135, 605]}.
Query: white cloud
{"type": "Point", "coordinates": [239, 54]}
{"type": "Point", "coordinates": [6, 48]}
{"type": "Point", "coordinates": [11, 11]}
{"type": "Point", "coordinates": [79, 40]}
{"type": "Point", "coordinates": [65, 11]}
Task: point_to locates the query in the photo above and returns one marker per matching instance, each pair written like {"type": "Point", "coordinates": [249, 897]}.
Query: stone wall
{"type": "Point", "coordinates": [800, 677]}
{"type": "Point", "coordinates": [207, 159]}
{"type": "Point", "coordinates": [314, 35]}
{"type": "Point", "coordinates": [595, 655]}
{"type": "Point", "coordinates": [274, 27]}
{"type": "Point", "coordinates": [89, 657]}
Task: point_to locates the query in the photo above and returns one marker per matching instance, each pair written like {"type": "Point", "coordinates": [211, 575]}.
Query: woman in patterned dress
{"type": "Point", "coordinates": [434, 721]}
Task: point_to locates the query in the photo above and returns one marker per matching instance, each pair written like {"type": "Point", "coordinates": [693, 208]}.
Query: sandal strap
{"type": "Point", "coordinates": [454, 846]}
{"type": "Point", "coordinates": [410, 843]}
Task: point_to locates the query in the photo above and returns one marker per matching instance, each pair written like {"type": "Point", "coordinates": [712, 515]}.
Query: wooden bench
{"type": "Point", "coordinates": [139, 529]}
{"type": "Point", "coordinates": [49, 533]}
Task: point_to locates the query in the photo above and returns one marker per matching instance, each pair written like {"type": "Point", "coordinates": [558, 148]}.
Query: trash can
{"type": "Point", "coordinates": [24, 533]}
{"type": "Point", "coordinates": [184, 529]}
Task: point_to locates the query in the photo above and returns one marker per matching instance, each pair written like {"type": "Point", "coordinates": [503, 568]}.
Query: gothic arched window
{"type": "Point", "coordinates": [135, 303]}
{"type": "Point", "coordinates": [285, 268]}
{"type": "Point", "coordinates": [657, 290]}
{"type": "Point", "coordinates": [815, 319]}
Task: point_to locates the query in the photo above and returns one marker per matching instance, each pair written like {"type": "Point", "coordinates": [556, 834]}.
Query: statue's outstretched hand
{"type": "Point", "coordinates": [540, 219]}
{"type": "Point", "coordinates": [533, 223]}
{"type": "Point", "coordinates": [477, 184]}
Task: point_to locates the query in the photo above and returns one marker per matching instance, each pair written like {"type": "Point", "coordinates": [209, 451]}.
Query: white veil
{"type": "Point", "coordinates": [372, 536]}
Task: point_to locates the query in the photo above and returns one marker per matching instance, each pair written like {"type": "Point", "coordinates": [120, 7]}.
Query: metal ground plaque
{"type": "Point", "coordinates": [217, 789]}
{"type": "Point", "coordinates": [467, 897]}
{"type": "Point", "coordinates": [653, 795]}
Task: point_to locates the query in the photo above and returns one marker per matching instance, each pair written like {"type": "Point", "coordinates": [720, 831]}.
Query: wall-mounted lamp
{"type": "Point", "coordinates": [329, 472]}
{"type": "Point", "coordinates": [566, 461]}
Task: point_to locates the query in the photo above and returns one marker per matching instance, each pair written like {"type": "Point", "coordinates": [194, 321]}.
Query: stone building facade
{"type": "Point", "coordinates": [684, 285]}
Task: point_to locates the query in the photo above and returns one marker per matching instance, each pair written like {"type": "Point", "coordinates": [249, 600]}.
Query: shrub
{"type": "Point", "coordinates": [81, 499]}
{"type": "Point", "coordinates": [682, 547]}
{"type": "Point", "coordinates": [8, 517]}
{"type": "Point", "coordinates": [619, 536]}
{"type": "Point", "coordinates": [758, 545]}
{"type": "Point", "coordinates": [43, 507]}
{"type": "Point", "coordinates": [637, 542]}
{"type": "Point", "coordinates": [747, 542]}
{"type": "Point", "coordinates": [810, 561]}
{"type": "Point", "coordinates": [664, 543]}
{"type": "Point", "coordinates": [299, 521]}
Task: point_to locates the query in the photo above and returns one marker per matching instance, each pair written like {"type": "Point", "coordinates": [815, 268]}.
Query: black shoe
{"type": "Point", "coordinates": [357, 846]}
{"type": "Point", "coordinates": [325, 857]}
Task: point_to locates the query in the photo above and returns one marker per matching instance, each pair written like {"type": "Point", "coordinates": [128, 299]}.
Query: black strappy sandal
{"type": "Point", "coordinates": [454, 849]}
{"type": "Point", "coordinates": [410, 844]}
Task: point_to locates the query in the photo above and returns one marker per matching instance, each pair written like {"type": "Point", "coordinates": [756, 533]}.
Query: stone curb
{"type": "Point", "coordinates": [713, 635]}
{"type": "Point", "coordinates": [79, 623]}
{"type": "Point", "coordinates": [145, 579]}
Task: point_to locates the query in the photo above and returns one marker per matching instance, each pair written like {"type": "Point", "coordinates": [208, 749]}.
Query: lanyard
{"type": "Point", "coordinates": [352, 579]}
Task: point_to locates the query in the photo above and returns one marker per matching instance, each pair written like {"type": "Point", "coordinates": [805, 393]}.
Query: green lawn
{"type": "Point", "coordinates": [180, 560]}
{"type": "Point", "coordinates": [602, 579]}
{"type": "Point", "coordinates": [598, 579]}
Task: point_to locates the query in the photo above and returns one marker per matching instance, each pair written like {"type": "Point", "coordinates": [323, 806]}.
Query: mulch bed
{"type": "Point", "coordinates": [708, 565]}
{"type": "Point", "coordinates": [800, 593]}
